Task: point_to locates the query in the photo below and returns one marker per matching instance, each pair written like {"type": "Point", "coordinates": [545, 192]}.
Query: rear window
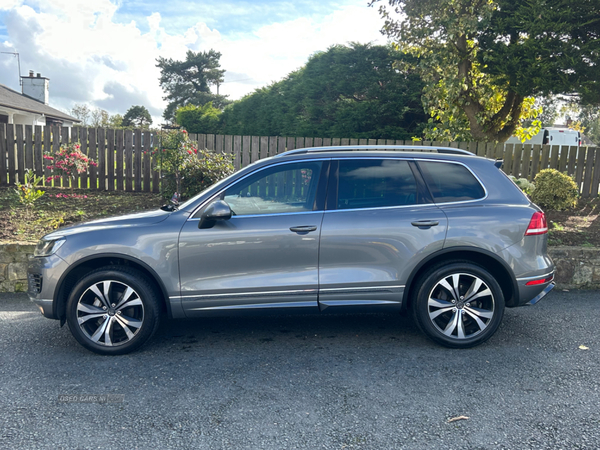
{"type": "Point", "coordinates": [450, 182]}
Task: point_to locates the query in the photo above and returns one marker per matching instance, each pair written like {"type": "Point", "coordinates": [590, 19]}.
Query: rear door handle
{"type": "Point", "coordinates": [303, 229]}
{"type": "Point", "coordinates": [425, 223]}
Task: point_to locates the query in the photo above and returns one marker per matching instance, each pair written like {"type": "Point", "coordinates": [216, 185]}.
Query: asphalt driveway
{"type": "Point", "coordinates": [325, 382]}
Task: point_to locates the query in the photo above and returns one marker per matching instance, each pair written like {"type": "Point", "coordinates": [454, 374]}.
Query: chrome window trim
{"type": "Point", "coordinates": [265, 215]}
{"type": "Point", "coordinates": [416, 205]}
{"type": "Point", "coordinates": [203, 204]}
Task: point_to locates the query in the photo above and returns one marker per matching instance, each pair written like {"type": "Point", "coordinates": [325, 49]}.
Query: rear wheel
{"type": "Point", "coordinates": [113, 310]}
{"type": "Point", "coordinates": [458, 304]}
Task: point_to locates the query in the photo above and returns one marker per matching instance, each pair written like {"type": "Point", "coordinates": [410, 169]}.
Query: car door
{"type": "Point", "coordinates": [266, 254]}
{"type": "Point", "coordinates": [379, 223]}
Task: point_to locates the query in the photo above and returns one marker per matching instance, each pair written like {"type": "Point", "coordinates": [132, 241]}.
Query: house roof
{"type": "Point", "coordinates": [15, 100]}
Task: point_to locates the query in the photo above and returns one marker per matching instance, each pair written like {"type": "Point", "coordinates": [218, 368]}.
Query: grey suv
{"type": "Point", "coordinates": [438, 231]}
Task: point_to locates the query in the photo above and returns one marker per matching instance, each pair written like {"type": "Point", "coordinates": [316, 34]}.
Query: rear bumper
{"type": "Point", "coordinates": [530, 294]}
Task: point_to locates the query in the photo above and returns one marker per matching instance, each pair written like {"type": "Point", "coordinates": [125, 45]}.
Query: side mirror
{"type": "Point", "coordinates": [217, 210]}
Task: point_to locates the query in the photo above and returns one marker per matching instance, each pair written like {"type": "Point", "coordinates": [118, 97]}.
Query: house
{"type": "Point", "coordinates": [31, 107]}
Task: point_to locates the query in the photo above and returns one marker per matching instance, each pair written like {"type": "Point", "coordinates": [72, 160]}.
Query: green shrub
{"type": "Point", "coordinates": [28, 192]}
{"type": "Point", "coordinates": [554, 190]}
{"type": "Point", "coordinates": [198, 172]}
{"type": "Point", "coordinates": [524, 184]}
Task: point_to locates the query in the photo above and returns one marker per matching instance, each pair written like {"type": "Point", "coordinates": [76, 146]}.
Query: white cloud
{"type": "Point", "coordinates": [90, 58]}
{"type": "Point", "coordinates": [9, 4]}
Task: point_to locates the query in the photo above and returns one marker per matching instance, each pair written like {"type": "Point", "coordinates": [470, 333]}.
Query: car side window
{"type": "Point", "coordinates": [375, 183]}
{"type": "Point", "coordinates": [450, 182]}
{"type": "Point", "coordinates": [285, 188]}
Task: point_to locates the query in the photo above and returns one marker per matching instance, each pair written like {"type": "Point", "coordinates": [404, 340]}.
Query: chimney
{"type": "Point", "coordinates": [36, 87]}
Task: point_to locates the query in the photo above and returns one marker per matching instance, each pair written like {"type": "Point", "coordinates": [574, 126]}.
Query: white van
{"type": "Point", "coordinates": [551, 136]}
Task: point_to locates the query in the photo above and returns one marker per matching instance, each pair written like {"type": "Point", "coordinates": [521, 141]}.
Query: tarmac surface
{"type": "Point", "coordinates": [307, 382]}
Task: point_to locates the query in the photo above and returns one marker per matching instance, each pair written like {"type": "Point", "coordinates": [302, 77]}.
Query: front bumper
{"type": "Point", "coordinates": [43, 274]}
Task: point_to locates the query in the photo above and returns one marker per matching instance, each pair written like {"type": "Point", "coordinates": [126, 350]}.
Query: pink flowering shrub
{"type": "Point", "coordinates": [69, 161]}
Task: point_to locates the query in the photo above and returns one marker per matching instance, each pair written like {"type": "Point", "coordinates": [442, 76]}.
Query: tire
{"type": "Point", "coordinates": [458, 304]}
{"type": "Point", "coordinates": [117, 325]}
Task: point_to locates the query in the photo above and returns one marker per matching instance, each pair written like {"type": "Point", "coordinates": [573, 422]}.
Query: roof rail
{"type": "Point", "coordinates": [406, 148]}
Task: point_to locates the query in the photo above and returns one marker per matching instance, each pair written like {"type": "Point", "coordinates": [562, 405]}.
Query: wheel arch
{"type": "Point", "coordinates": [488, 260]}
{"type": "Point", "coordinates": [68, 279]}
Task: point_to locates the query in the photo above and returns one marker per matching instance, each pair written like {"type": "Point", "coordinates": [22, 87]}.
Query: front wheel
{"type": "Point", "coordinates": [113, 310]}
{"type": "Point", "coordinates": [458, 304]}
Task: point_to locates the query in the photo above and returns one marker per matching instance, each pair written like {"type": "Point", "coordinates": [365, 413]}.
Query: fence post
{"type": "Point", "coordinates": [587, 179]}
{"type": "Point", "coordinates": [128, 160]}
{"type": "Point", "coordinates": [146, 161]}
{"type": "Point", "coordinates": [38, 156]}
{"type": "Point", "coordinates": [120, 155]}
{"type": "Point", "coordinates": [3, 154]}
{"type": "Point", "coordinates": [110, 158]}
{"type": "Point", "coordinates": [102, 159]}
{"type": "Point", "coordinates": [20, 152]}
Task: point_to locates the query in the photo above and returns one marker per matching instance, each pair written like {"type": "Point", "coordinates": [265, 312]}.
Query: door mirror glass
{"type": "Point", "coordinates": [217, 210]}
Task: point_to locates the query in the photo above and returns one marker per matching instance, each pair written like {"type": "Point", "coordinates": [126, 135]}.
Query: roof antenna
{"type": "Point", "coordinates": [18, 62]}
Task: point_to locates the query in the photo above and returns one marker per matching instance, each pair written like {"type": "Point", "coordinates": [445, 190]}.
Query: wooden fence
{"type": "Point", "coordinates": [124, 162]}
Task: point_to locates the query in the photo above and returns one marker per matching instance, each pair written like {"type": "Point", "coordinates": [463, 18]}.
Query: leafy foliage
{"type": "Point", "coordinates": [137, 116]}
{"type": "Point", "coordinates": [199, 171]}
{"type": "Point", "coordinates": [95, 117]}
{"type": "Point", "coordinates": [189, 81]}
{"type": "Point", "coordinates": [483, 60]}
{"type": "Point", "coordinates": [69, 161]}
{"type": "Point", "coordinates": [199, 119]}
{"type": "Point", "coordinates": [555, 190]}
{"type": "Point", "coordinates": [175, 149]}
{"type": "Point", "coordinates": [524, 184]}
{"type": "Point", "coordinates": [28, 191]}
{"type": "Point", "coordinates": [348, 91]}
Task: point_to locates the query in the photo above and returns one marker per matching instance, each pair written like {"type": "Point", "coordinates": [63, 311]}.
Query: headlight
{"type": "Point", "coordinates": [48, 247]}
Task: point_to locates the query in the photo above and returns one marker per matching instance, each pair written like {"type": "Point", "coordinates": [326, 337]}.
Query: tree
{"type": "Point", "coordinates": [189, 81]}
{"type": "Point", "coordinates": [115, 121]}
{"type": "Point", "coordinates": [82, 112]}
{"type": "Point", "coordinates": [137, 116]}
{"type": "Point", "coordinates": [347, 91]}
{"type": "Point", "coordinates": [199, 119]}
{"type": "Point", "coordinates": [483, 60]}
{"type": "Point", "coordinates": [99, 118]}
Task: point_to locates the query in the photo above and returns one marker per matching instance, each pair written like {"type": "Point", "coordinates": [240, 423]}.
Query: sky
{"type": "Point", "coordinates": [103, 52]}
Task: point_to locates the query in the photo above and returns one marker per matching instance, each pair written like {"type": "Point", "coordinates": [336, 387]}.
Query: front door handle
{"type": "Point", "coordinates": [303, 229]}
{"type": "Point", "coordinates": [425, 223]}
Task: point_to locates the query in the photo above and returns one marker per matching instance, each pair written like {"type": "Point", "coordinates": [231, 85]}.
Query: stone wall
{"type": "Point", "coordinates": [13, 267]}
{"type": "Point", "coordinates": [577, 267]}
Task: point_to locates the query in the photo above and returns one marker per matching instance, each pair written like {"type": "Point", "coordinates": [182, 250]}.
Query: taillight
{"type": "Point", "coordinates": [548, 279]}
{"type": "Point", "coordinates": [537, 224]}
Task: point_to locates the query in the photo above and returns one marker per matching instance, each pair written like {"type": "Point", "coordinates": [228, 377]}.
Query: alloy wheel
{"type": "Point", "coordinates": [461, 306]}
{"type": "Point", "coordinates": [110, 313]}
